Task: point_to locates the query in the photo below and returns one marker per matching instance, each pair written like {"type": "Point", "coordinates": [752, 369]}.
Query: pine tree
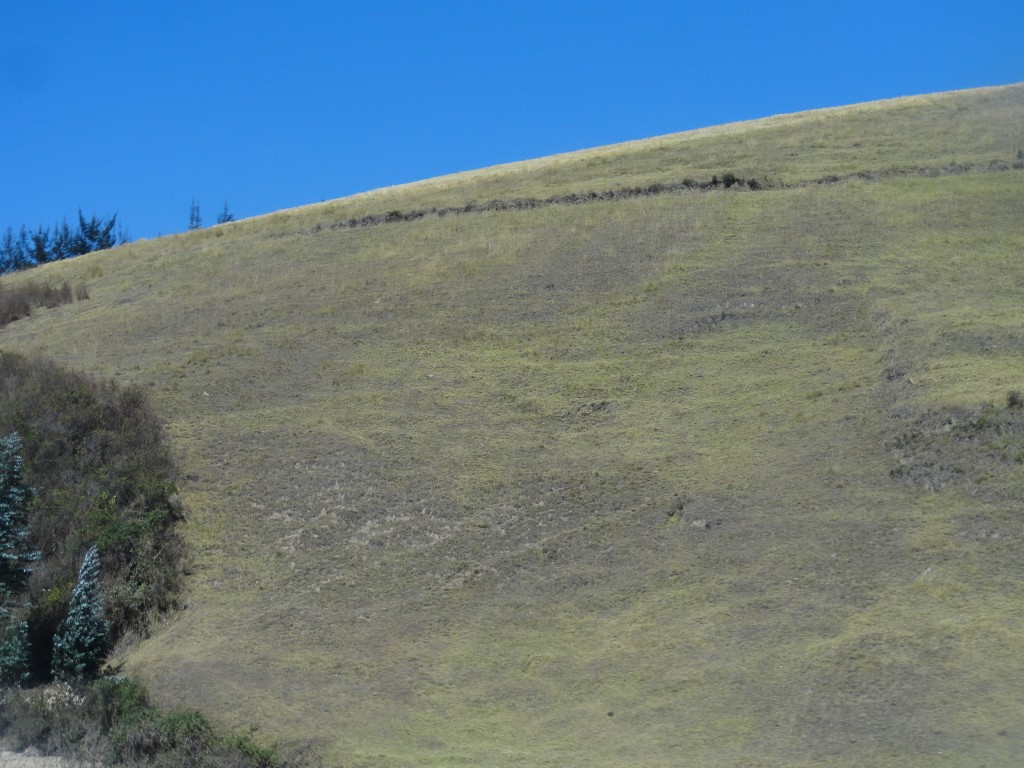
{"type": "Point", "coordinates": [225, 216]}
{"type": "Point", "coordinates": [15, 550]}
{"type": "Point", "coordinates": [194, 219]}
{"type": "Point", "coordinates": [7, 252]}
{"type": "Point", "coordinates": [41, 247]}
{"type": "Point", "coordinates": [23, 250]}
{"type": "Point", "coordinates": [14, 669]}
{"type": "Point", "coordinates": [81, 644]}
{"type": "Point", "coordinates": [94, 234]}
{"type": "Point", "coordinates": [15, 555]}
{"type": "Point", "coordinates": [63, 242]}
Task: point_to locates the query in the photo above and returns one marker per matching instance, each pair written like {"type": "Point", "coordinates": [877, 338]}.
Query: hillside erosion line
{"type": "Point", "coordinates": [728, 181]}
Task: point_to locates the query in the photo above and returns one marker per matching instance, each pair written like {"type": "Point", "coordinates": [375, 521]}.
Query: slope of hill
{"type": "Point", "coordinates": [727, 477]}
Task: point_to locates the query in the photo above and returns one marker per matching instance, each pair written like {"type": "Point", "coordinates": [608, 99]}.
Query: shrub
{"type": "Point", "coordinates": [49, 718]}
{"type": "Point", "coordinates": [1014, 399]}
{"type": "Point", "coordinates": [103, 475]}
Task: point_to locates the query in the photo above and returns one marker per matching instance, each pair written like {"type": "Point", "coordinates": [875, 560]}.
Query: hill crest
{"type": "Point", "coordinates": [460, 487]}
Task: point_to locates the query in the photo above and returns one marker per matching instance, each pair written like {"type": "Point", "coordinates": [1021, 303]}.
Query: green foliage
{"type": "Point", "coordinates": [96, 454]}
{"type": "Point", "coordinates": [82, 640]}
{"type": "Point", "coordinates": [15, 550]}
{"type": "Point", "coordinates": [14, 660]}
{"type": "Point", "coordinates": [94, 234]}
{"type": "Point", "coordinates": [108, 529]}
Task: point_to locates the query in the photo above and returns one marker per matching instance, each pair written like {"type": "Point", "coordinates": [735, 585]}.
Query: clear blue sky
{"type": "Point", "coordinates": [137, 107]}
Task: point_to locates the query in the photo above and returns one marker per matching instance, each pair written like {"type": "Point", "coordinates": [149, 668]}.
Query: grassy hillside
{"type": "Point", "coordinates": [705, 478]}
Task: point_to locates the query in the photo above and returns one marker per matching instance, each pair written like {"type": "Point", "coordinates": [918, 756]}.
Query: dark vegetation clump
{"type": "Point", "coordinates": [16, 303]}
{"type": "Point", "coordinates": [965, 445]}
{"type": "Point", "coordinates": [111, 722]}
{"type": "Point", "coordinates": [87, 514]}
{"type": "Point", "coordinates": [195, 220]}
{"type": "Point", "coordinates": [1014, 399]}
{"type": "Point", "coordinates": [728, 180]}
{"type": "Point", "coordinates": [530, 203]}
{"type": "Point", "coordinates": [225, 216]}
{"type": "Point", "coordinates": [30, 248]}
{"type": "Point", "coordinates": [102, 476]}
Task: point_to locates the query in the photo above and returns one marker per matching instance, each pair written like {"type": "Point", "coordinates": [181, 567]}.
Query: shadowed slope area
{"type": "Point", "coordinates": [657, 481]}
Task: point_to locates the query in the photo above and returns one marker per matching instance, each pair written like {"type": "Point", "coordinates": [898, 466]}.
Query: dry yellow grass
{"type": "Point", "coordinates": [604, 484]}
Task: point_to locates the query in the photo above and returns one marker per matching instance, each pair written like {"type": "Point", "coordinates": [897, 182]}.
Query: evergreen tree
{"type": "Point", "coordinates": [15, 555]}
{"type": "Point", "coordinates": [15, 252]}
{"type": "Point", "coordinates": [80, 645]}
{"type": "Point", "coordinates": [30, 248]}
{"type": "Point", "coordinates": [225, 216]}
{"type": "Point", "coordinates": [14, 668]}
{"type": "Point", "coordinates": [63, 243]}
{"type": "Point", "coordinates": [7, 252]}
{"type": "Point", "coordinates": [15, 551]}
{"type": "Point", "coordinates": [194, 219]}
{"type": "Point", "coordinates": [23, 250]}
{"type": "Point", "coordinates": [41, 247]}
{"type": "Point", "coordinates": [94, 234]}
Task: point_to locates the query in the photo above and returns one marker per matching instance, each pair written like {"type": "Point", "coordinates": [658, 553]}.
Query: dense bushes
{"type": "Point", "coordinates": [94, 454]}
{"type": "Point", "coordinates": [102, 486]}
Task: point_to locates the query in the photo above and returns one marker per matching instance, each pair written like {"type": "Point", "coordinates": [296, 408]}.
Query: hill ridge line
{"type": "Point", "coordinates": [728, 181]}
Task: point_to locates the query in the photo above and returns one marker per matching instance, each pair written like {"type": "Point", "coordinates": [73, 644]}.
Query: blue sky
{"type": "Point", "coordinates": [136, 108]}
